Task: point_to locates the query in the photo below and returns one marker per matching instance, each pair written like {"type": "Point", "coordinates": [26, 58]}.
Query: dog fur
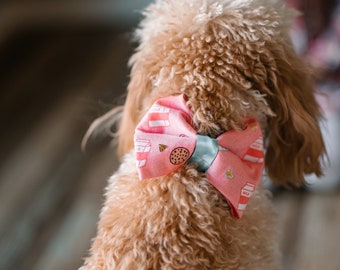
{"type": "Point", "coordinates": [231, 60]}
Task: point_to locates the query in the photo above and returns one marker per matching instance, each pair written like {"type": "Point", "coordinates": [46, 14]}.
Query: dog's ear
{"type": "Point", "coordinates": [295, 146]}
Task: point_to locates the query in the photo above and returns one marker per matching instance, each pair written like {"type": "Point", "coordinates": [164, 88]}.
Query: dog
{"type": "Point", "coordinates": [212, 68]}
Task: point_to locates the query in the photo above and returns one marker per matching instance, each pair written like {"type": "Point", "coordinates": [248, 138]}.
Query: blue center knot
{"type": "Point", "coordinates": [205, 152]}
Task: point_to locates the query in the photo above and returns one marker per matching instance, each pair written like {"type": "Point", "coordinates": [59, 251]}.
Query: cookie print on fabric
{"type": "Point", "coordinates": [179, 155]}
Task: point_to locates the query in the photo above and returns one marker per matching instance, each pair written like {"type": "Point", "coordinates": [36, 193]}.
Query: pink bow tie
{"type": "Point", "coordinates": [165, 140]}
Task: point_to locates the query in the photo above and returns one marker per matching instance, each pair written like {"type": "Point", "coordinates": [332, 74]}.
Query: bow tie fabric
{"type": "Point", "coordinates": [233, 162]}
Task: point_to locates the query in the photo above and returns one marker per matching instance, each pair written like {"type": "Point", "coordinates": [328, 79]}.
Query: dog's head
{"type": "Point", "coordinates": [232, 60]}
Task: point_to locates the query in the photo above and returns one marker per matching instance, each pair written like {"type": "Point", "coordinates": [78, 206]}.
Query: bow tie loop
{"type": "Point", "coordinates": [205, 152]}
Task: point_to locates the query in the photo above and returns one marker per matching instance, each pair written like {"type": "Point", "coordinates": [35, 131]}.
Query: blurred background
{"type": "Point", "coordinates": [63, 64]}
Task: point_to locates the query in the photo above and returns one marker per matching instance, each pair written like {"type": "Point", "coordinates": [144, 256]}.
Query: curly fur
{"type": "Point", "coordinates": [231, 59]}
{"type": "Point", "coordinates": [178, 222]}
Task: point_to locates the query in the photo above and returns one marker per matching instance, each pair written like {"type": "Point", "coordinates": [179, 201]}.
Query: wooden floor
{"type": "Point", "coordinates": [52, 85]}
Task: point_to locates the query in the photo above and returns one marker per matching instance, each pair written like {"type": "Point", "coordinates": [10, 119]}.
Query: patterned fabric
{"type": "Point", "coordinates": [165, 140]}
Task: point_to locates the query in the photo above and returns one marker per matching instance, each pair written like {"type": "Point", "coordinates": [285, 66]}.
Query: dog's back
{"type": "Point", "coordinates": [180, 222]}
